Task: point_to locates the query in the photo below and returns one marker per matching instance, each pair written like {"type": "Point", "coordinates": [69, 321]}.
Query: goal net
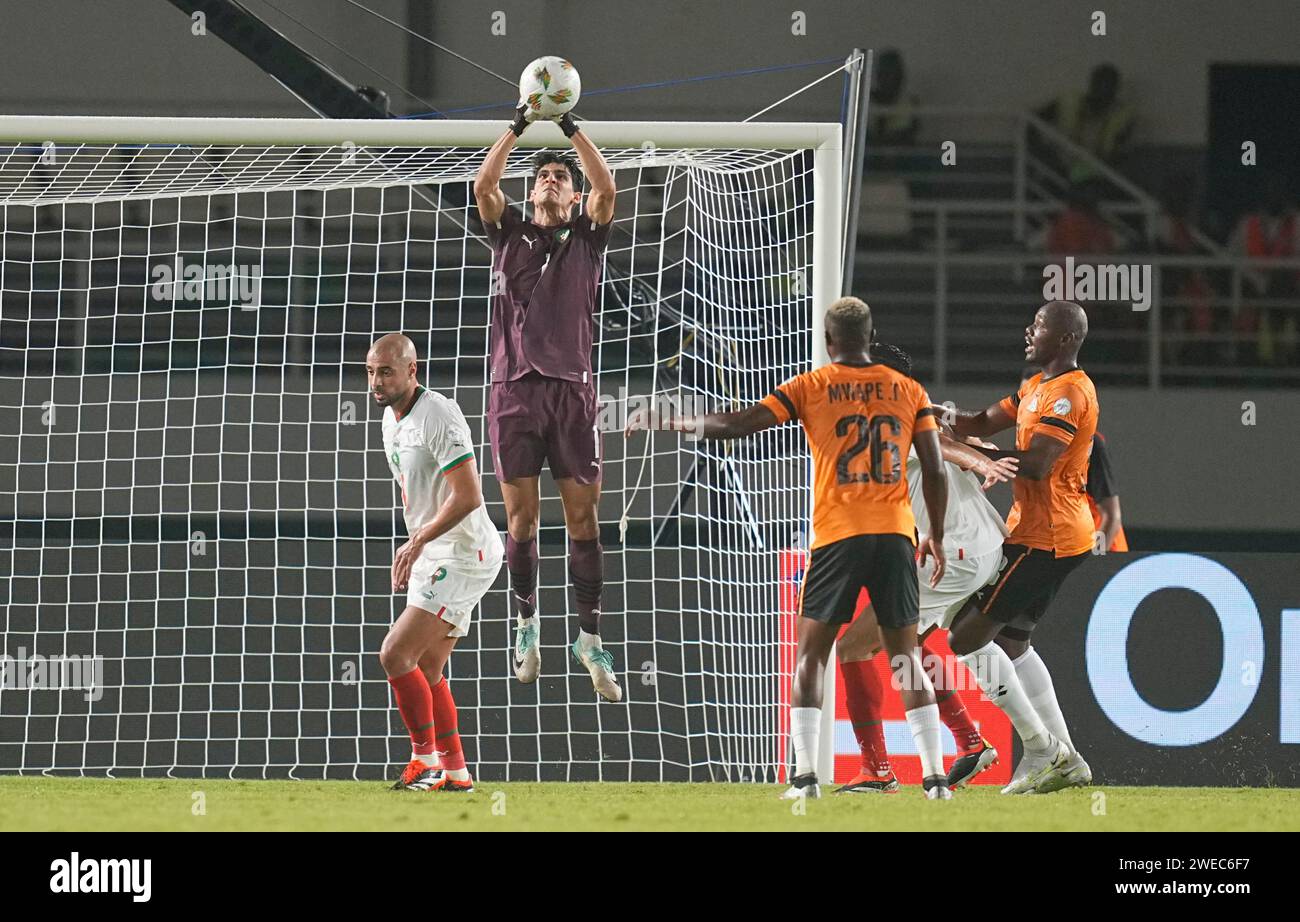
{"type": "Point", "coordinates": [197, 524]}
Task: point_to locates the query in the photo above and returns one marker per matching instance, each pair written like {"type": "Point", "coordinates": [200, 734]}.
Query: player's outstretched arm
{"type": "Point", "coordinates": [600, 202]}
{"type": "Point", "coordinates": [1035, 462]}
{"type": "Point", "coordinates": [982, 423]}
{"type": "Point", "coordinates": [934, 485]}
{"type": "Point", "coordinates": [968, 458]}
{"type": "Point", "coordinates": [709, 426]}
{"type": "Point", "coordinates": [465, 495]}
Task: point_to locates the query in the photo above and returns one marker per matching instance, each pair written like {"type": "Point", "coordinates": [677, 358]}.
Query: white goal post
{"type": "Point", "coordinates": [722, 276]}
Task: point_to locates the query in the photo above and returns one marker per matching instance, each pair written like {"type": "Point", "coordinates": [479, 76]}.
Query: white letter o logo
{"type": "Point", "coordinates": [1107, 649]}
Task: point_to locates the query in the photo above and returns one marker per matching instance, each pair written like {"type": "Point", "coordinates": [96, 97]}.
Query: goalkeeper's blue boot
{"type": "Point", "coordinates": [528, 650]}
{"type": "Point", "coordinates": [587, 651]}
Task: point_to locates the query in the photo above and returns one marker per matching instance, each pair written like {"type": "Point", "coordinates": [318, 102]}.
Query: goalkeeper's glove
{"type": "Point", "coordinates": [567, 124]}
{"type": "Point", "coordinates": [524, 116]}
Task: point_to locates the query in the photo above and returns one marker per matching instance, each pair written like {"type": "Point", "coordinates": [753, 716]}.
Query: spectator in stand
{"type": "Point", "coordinates": [1080, 230]}
{"type": "Point", "coordinates": [1268, 232]}
{"type": "Point", "coordinates": [1189, 287]}
{"type": "Point", "coordinates": [1098, 121]}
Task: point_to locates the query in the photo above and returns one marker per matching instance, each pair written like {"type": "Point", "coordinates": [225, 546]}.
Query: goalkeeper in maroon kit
{"type": "Point", "coordinates": [543, 407]}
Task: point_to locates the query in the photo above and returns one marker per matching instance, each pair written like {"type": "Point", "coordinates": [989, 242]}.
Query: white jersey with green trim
{"type": "Point", "coordinates": [421, 447]}
{"type": "Point", "coordinates": [971, 526]}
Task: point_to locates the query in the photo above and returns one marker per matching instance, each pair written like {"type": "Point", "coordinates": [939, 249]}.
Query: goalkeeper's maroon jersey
{"type": "Point", "coordinates": [545, 282]}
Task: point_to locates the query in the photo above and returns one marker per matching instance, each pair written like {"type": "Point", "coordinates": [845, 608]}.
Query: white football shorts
{"type": "Point", "coordinates": [963, 578]}
{"type": "Point", "coordinates": [450, 588]}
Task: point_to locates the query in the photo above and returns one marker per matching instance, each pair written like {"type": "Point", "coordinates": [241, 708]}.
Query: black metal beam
{"type": "Point", "coordinates": [302, 74]}
{"type": "Point", "coordinates": [419, 60]}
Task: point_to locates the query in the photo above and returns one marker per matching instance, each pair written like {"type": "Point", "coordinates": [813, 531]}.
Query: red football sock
{"type": "Point", "coordinates": [415, 702]}
{"type": "Point", "coordinates": [863, 693]}
{"type": "Point", "coordinates": [951, 709]}
{"type": "Point", "coordinates": [446, 734]}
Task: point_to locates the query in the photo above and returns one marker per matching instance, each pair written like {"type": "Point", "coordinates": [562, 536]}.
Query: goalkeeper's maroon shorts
{"type": "Point", "coordinates": [536, 419]}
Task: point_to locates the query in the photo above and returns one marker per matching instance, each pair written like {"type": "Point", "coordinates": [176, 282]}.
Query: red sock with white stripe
{"type": "Point", "coordinates": [862, 693]}
{"type": "Point", "coordinates": [952, 710]}
{"type": "Point", "coordinates": [446, 733]}
{"type": "Point", "coordinates": [415, 703]}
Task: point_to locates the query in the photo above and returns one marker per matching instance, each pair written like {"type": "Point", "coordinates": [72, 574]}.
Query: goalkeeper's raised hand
{"type": "Point", "coordinates": [567, 124]}
{"type": "Point", "coordinates": [524, 116]}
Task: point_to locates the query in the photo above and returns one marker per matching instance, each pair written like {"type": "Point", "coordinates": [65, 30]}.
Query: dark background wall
{"type": "Point", "coordinates": [139, 57]}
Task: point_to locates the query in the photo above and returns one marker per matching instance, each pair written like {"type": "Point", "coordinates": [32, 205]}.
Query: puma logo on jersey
{"type": "Point", "coordinates": [530, 243]}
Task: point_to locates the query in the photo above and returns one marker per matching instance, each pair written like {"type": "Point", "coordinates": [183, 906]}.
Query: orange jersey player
{"type": "Point", "coordinates": [1102, 490]}
{"type": "Point", "coordinates": [861, 419]}
{"type": "Point", "coordinates": [1055, 413]}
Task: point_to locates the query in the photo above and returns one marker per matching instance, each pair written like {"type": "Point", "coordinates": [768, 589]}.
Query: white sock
{"type": "Point", "coordinates": [805, 724]}
{"type": "Point", "coordinates": [924, 722]}
{"type": "Point", "coordinates": [429, 758]}
{"type": "Point", "coordinates": [458, 774]}
{"type": "Point", "coordinates": [996, 675]}
{"type": "Point", "coordinates": [588, 641]}
{"type": "Point", "coordinates": [1037, 683]}
{"type": "Point", "coordinates": [527, 622]}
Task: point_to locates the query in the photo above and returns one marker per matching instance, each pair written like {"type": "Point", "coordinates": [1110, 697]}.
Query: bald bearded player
{"type": "Point", "coordinates": [543, 407]}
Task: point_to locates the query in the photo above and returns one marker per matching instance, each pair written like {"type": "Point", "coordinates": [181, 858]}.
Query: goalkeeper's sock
{"type": "Point", "coordinates": [587, 573]}
{"type": "Point", "coordinates": [952, 710]}
{"type": "Point", "coordinates": [521, 561]}
{"type": "Point", "coordinates": [804, 726]}
{"type": "Point", "coordinates": [446, 733]}
{"type": "Point", "coordinates": [1037, 683]}
{"type": "Point", "coordinates": [415, 703]}
{"type": "Point", "coordinates": [863, 693]}
{"type": "Point", "coordinates": [996, 675]}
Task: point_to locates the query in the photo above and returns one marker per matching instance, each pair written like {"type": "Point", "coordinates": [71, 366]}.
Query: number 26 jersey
{"type": "Point", "coordinates": [859, 421]}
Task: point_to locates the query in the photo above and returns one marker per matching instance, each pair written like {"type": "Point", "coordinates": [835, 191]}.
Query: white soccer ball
{"type": "Point", "coordinates": [550, 87]}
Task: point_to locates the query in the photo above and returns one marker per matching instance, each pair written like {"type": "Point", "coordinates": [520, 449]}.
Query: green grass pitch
{"type": "Point", "coordinates": [76, 804]}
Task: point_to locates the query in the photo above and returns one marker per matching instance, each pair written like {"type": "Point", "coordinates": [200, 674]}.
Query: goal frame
{"type": "Point", "coordinates": [824, 139]}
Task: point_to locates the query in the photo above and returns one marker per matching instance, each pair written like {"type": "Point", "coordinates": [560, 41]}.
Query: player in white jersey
{"type": "Point", "coordinates": [450, 560]}
{"type": "Point", "coordinates": [973, 536]}
{"type": "Point", "coordinates": [973, 531]}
